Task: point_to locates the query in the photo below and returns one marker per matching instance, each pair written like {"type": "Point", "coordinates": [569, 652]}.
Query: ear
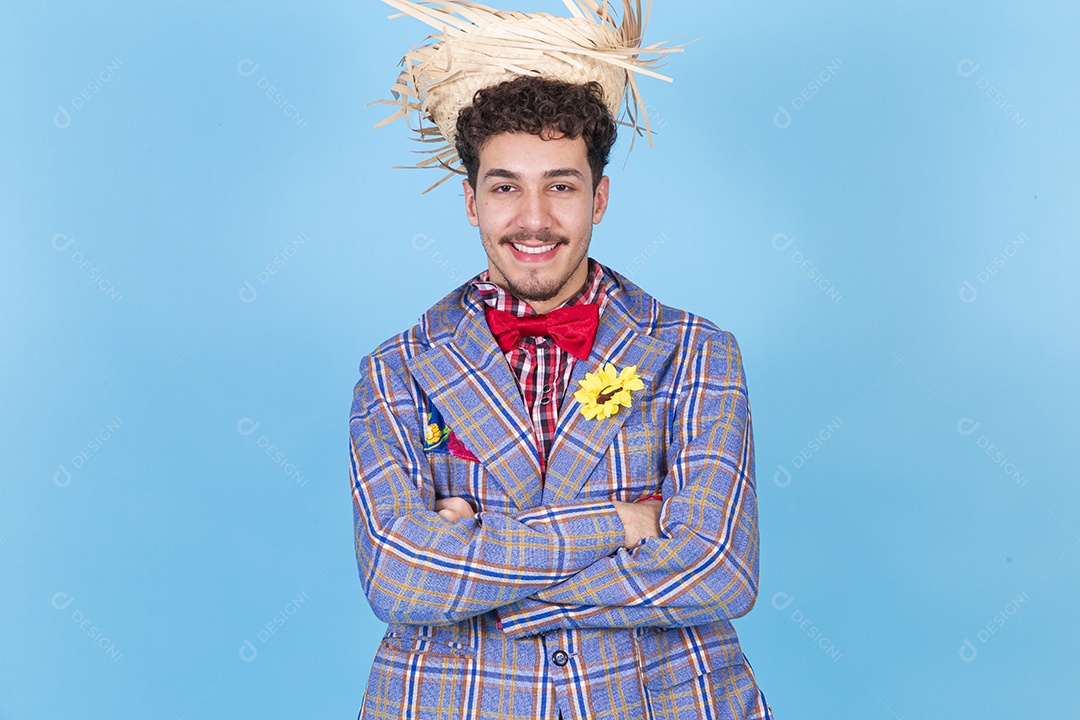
{"type": "Point", "coordinates": [600, 199]}
{"type": "Point", "coordinates": [470, 203]}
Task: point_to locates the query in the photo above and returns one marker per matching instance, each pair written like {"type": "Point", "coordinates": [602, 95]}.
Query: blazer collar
{"type": "Point", "coordinates": [467, 378]}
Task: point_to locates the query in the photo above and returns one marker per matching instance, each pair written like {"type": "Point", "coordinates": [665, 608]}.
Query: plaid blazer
{"type": "Point", "coordinates": [533, 609]}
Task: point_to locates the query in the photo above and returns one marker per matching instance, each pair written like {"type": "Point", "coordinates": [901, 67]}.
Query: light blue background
{"type": "Point", "coordinates": [891, 540]}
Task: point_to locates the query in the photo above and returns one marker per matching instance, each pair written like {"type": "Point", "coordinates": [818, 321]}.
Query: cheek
{"type": "Point", "coordinates": [583, 218]}
{"type": "Point", "coordinates": [493, 217]}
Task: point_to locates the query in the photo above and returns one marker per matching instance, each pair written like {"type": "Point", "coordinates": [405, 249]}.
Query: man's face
{"type": "Point", "coordinates": [535, 208]}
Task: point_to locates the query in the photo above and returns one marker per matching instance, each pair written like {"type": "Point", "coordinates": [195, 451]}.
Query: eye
{"type": "Point", "coordinates": [501, 188]}
{"type": "Point", "coordinates": [562, 187]}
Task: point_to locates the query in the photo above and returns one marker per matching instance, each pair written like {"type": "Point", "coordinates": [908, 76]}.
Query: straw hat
{"type": "Point", "coordinates": [478, 47]}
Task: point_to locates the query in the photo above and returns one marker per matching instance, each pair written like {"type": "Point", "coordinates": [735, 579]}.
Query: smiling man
{"type": "Point", "coordinates": [552, 472]}
{"type": "Point", "coordinates": [535, 198]}
{"type": "Point", "coordinates": [535, 203]}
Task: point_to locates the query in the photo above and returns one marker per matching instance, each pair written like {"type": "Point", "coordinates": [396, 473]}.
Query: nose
{"type": "Point", "coordinates": [534, 211]}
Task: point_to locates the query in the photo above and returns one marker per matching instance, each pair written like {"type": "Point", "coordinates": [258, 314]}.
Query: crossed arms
{"type": "Point", "coordinates": [567, 565]}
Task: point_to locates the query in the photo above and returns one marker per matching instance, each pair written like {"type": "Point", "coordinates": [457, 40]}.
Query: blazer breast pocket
{"type": "Point", "coordinates": [457, 477]}
{"type": "Point", "coordinates": [455, 470]}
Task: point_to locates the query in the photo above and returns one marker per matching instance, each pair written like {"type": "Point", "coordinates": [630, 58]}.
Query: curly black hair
{"type": "Point", "coordinates": [537, 105]}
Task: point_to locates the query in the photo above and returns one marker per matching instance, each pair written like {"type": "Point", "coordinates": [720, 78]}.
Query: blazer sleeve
{"type": "Point", "coordinates": [415, 566]}
{"type": "Point", "coordinates": [704, 567]}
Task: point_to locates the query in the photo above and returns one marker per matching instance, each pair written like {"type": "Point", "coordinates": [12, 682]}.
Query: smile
{"type": "Point", "coordinates": [539, 250]}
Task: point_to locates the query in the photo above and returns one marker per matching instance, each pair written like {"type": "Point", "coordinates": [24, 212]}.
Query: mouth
{"type": "Point", "coordinates": [525, 253]}
{"type": "Point", "coordinates": [534, 249]}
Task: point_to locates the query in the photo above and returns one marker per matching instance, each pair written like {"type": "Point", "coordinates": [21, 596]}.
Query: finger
{"type": "Point", "coordinates": [463, 506]}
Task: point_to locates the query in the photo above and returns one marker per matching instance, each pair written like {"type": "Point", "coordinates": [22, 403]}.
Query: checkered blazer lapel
{"type": "Point", "coordinates": [466, 376]}
{"type": "Point", "coordinates": [622, 339]}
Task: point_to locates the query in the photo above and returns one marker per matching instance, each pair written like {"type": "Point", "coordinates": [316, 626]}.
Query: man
{"type": "Point", "coordinates": [553, 473]}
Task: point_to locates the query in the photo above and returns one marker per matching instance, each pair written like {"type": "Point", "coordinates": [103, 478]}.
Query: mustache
{"type": "Point", "coordinates": [541, 238]}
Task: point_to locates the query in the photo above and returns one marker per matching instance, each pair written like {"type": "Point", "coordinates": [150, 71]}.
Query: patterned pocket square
{"type": "Point", "coordinates": [438, 438]}
{"type": "Point", "coordinates": [458, 449]}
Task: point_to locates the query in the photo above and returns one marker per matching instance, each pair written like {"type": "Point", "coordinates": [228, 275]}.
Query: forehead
{"type": "Point", "coordinates": [528, 155]}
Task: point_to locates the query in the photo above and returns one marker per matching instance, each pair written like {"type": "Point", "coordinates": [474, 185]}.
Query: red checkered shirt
{"type": "Point", "coordinates": [541, 367]}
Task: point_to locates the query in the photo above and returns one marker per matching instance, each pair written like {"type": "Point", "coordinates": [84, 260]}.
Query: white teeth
{"type": "Point", "coordinates": [534, 250]}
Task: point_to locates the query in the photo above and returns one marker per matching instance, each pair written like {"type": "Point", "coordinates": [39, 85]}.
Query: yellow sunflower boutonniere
{"type": "Point", "coordinates": [603, 392]}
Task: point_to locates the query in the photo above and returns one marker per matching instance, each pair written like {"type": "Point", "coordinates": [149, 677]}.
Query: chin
{"type": "Point", "coordinates": [534, 292]}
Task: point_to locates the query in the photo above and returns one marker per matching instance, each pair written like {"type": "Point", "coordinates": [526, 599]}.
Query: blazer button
{"type": "Point", "coordinates": [559, 658]}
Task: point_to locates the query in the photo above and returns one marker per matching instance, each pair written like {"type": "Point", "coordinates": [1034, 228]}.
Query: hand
{"type": "Point", "coordinates": [454, 508]}
{"type": "Point", "coordinates": [640, 520]}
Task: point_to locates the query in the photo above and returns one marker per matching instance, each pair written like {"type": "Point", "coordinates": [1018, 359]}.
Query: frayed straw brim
{"type": "Point", "coordinates": [479, 47]}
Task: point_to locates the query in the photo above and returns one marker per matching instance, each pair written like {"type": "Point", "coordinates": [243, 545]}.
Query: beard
{"type": "Point", "coordinates": [531, 286]}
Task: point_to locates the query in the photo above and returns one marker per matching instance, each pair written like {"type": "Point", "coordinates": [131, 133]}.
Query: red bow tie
{"type": "Point", "coordinates": [573, 328]}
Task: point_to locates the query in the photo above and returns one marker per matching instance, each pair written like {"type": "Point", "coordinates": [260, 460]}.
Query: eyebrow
{"type": "Point", "coordinates": [548, 174]}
